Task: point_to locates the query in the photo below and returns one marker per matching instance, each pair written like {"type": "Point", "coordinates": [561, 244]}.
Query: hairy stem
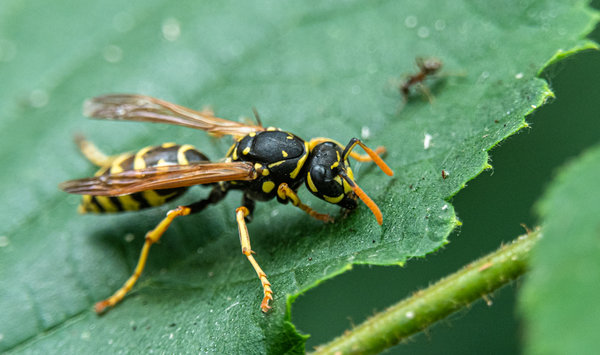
{"type": "Point", "coordinates": [438, 301]}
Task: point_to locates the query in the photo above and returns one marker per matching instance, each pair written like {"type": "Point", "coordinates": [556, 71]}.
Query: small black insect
{"type": "Point", "coordinates": [264, 163]}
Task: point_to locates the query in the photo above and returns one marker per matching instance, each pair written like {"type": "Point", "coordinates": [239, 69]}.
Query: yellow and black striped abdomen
{"type": "Point", "coordinates": [166, 154]}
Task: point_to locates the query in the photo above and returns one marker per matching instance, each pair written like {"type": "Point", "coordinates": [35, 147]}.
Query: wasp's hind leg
{"type": "Point", "coordinates": [241, 214]}
{"type": "Point", "coordinates": [92, 153]}
{"type": "Point", "coordinates": [153, 236]}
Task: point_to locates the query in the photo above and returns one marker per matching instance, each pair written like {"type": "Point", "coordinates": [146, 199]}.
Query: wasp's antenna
{"type": "Point", "coordinates": [363, 197]}
{"type": "Point", "coordinates": [376, 158]}
{"type": "Point", "coordinates": [257, 116]}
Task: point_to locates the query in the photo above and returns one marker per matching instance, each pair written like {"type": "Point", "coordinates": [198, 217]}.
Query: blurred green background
{"type": "Point", "coordinates": [492, 208]}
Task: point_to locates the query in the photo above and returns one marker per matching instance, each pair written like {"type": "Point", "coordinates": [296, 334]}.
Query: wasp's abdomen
{"type": "Point", "coordinates": [165, 154]}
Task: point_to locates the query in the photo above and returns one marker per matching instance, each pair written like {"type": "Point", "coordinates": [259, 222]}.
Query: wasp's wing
{"type": "Point", "coordinates": [148, 109]}
{"type": "Point", "coordinates": [160, 177]}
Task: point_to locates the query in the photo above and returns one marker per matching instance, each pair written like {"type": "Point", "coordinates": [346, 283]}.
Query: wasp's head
{"type": "Point", "coordinates": [324, 175]}
{"type": "Point", "coordinates": [329, 176]}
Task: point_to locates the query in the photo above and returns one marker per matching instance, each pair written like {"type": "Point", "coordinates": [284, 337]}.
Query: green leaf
{"type": "Point", "coordinates": [561, 291]}
{"type": "Point", "coordinates": [323, 69]}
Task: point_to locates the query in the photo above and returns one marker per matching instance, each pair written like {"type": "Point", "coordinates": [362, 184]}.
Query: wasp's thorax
{"type": "Point", "coordinates": [324, 172]}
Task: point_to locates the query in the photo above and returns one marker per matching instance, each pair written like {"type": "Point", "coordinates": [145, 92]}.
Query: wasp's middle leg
{"type": "Point", "coordinates": [241, 214]}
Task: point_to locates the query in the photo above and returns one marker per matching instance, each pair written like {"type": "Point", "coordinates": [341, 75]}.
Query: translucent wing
{"type": "Point", "coordinates": [160, 177]}
{"type": "Point", "coordinates": [148, 109]}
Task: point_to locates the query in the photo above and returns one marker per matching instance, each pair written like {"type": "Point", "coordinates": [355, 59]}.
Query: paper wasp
{"type": "Point", "coordinates": [264, 163]}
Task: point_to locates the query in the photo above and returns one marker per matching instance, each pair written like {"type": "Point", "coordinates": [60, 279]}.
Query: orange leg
{"type": "Point", "coordinates": [365, 157]}
{"type": "Point", "coordinates": [285, 192]}
{"type": "Point", "coordinates": [373, 155]}
{"type": "Point", "coordinates": [240, 214]}
{"type": "Point", "coordinates": [151, 237]}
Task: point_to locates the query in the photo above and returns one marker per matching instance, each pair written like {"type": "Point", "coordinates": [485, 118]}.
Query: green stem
{"type": "Point", "coordinates": [438, 301]}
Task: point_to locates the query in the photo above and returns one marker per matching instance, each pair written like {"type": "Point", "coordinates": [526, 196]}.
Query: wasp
{"type": "Point", "coordinates": [264, 163]}
{"type": "Point", "coordinates": [427, 68]}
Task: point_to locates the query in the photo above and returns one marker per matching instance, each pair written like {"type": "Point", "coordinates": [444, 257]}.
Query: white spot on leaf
{"type": "Point", "coordinates": [365, 132]}
{"type": "Point", "coordinates": [427, 141]}
{"type": "Point", "coordinates": [411, 21]}
{"type": "Point", "coordinates": [440, 25]}
{"type": "Point", "coordinates": [171, 29]}
{"type": "Point", "coordinates": [423, 32]}
{"type": "Point", "coordinates": [129, 237]}
{"type": "Point", "coordinates": [112, 53]}
{"type": "Point", "coordinates": [39, 98]}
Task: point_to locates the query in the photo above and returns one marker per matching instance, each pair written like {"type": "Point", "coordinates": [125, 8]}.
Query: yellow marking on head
{"type": "Point", "coordinates": [268, 186]}
{"type": "Point", "coordinates": [138, 161]}
{"type": "Point", "coordinates": [265, 172]}
{"type": "Point", "coordinates": [246, 150]}
{"type": "Point", "coordinates": [181, 158]}
{"type": "Point", "coordinates": [333, 199]}
{"type": "Point", "coordinates": [338, 179]}
{"type": "Point", "coordinates": [168, 145]}
{"type": "Point", "coordinates": [276, 163]}
{"type": "Point", "coordinates": [284, 153]}
{"type": "Point", "coordinates": [347, 187]}
{"type": "Point", "coordinates": [107, 204]}
{"type": "Point", "coordinates": [311, 184]}
{"type": "Point", "coordinates": [258, 166]}
{"type": "Point", "coordinates": [234, 154]}
{"type": "Point", "coordinates": [290, 137]}
{"type": "Point", "coordinates": [252, 134]}
{"type": "Point", "coordinates": [301, 162]}
{"type": "Point", "coordinates": [349, 173]}
{"type": "Point", "coordinates": [116, 167]}
{"type": "Point", "coordinates": [335, 165]}
{"type": "Point", "coordinates": [316, 141]}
